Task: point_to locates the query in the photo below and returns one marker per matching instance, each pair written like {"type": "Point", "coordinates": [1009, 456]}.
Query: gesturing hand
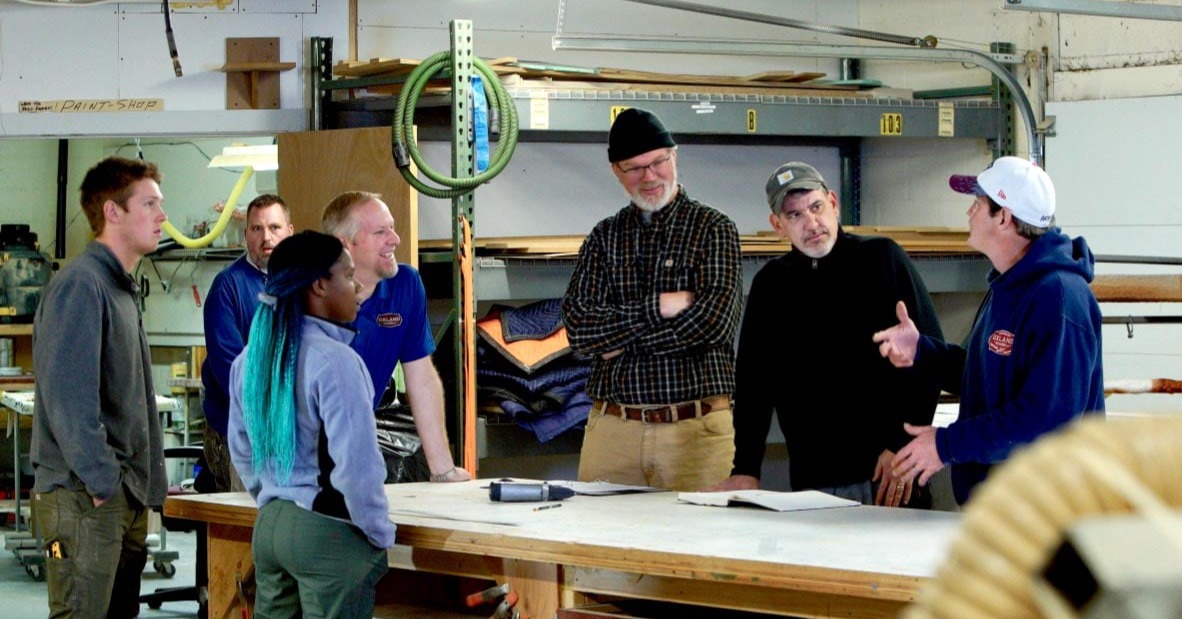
{"type": "Point", "coordinates": [899, 342]}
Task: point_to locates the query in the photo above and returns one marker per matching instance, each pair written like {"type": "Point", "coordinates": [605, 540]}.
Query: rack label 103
{"type": "Point", "coordinates": [891, 123]}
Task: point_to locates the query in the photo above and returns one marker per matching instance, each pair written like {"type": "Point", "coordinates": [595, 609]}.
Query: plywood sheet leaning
{"type": "Point", "coordinates": [317, 166]}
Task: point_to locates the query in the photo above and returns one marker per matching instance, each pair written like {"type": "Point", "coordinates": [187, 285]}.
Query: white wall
{"type": "Point", "coordinates": [523, 29]}
{"type": "Point", "coordinates": [119, 51]}
{"type": "Point", "coordinates": [1115, 166]}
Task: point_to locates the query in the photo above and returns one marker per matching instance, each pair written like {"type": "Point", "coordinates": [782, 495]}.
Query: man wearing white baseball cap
{"type": "Point", "coordinates": [1032, 363]}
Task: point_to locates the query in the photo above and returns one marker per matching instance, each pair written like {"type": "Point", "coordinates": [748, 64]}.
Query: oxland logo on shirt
{"type": "Point", "coordinates": [1001, 342]}
{"type": "Point", "coordinates": [394, 320]}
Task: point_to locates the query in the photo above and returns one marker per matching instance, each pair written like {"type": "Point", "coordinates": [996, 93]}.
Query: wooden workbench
{"type": "Point", "coordinates": [855, 561]}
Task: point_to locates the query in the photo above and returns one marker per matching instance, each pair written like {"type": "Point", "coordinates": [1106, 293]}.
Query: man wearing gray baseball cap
{"type": "Point", "coordinates": [1032, 363]}
{"type": "Point", "coordinates": [804, 351]}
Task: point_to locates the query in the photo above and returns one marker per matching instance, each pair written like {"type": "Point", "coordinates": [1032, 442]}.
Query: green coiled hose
{"type": "Point", "coordinates": [404, 143]}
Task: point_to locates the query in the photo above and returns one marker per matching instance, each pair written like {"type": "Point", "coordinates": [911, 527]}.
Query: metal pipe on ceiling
{"type": "Point", "coordinates": [763, 18]}
{"type": "Point", "coordinates": [753, 48]}
{"type": "Point", "coordinates": [1100, 8]}
{"type": "Point", "coordinates": [924, 51]}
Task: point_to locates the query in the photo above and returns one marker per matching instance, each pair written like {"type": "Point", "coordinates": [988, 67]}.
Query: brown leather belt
{"type": "Point", "coordinates": [659, 413]}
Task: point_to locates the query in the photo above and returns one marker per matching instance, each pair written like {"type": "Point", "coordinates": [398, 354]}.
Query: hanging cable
{"type": "Point", "coordinates": [405, 148]}
{"type": "Point", "coordinates": [176, 58]}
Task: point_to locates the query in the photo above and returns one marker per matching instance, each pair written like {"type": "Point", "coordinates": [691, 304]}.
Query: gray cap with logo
{"type": "Point", "coordinates": [790, 177]}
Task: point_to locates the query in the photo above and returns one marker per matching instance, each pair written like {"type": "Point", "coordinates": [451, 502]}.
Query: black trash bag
{"type": "Point", "coordinates": [400, 445]}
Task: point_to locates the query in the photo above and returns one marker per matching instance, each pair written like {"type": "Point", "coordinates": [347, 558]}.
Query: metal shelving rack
{"type": "Point", "coordinates": [581, 115]}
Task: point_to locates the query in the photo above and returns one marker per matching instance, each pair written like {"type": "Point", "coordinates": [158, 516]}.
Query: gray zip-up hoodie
{"type": "Point", "coordinates": [95, 425]}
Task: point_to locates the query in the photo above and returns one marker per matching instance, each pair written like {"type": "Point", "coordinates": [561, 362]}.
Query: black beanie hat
{"type": "Point", "coordinates": [635, 132]}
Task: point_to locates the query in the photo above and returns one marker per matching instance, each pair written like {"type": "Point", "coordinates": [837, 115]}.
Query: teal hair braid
{"type": "Point", "coordinates": [269, 376]}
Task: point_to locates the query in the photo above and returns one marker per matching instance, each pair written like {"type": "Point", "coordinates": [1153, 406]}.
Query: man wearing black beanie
{"type": "Point", "coordinates": [654, 301]}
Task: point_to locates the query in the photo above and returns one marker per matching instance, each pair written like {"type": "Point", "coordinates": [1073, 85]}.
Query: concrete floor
{"type": "Point", "coordinates": [24, 598]}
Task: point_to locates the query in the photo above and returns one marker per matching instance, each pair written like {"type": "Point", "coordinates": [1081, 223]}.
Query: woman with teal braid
{"type": "Point", "coordinates": [302, 437]}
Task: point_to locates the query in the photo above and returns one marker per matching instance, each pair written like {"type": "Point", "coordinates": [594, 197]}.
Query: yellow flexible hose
{"type": "Point", "coordinates": [223, 219]}
{"type": "Point", "coordinates": [1018, 517]}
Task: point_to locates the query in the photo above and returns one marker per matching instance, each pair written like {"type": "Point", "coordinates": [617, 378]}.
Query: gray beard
{"type": "Point", "coordinates": [662, 202]}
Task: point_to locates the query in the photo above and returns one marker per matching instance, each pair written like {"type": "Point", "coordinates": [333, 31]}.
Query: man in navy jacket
{"type": "Point", "coordinates": [229, 310]}
{"type": "Point", "coordinates": [1033, 358]}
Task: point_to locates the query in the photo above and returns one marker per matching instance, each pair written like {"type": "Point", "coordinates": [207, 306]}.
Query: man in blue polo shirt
{"type": "Point", "coordinates": [392, 323]}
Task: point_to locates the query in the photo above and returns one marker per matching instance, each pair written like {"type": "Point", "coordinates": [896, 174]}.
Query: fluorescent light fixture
{"type": "Point", "coordinates": [265, 157]}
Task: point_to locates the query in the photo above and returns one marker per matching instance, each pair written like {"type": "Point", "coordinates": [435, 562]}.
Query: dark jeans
{"type": "Point", "coordinates": [309, 565]}
{"type": "Point", "coordinates": [96, 555]}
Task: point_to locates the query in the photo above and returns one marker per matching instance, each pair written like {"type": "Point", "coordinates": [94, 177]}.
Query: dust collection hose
{"type": "Point", "coordinates": [223, 219]}
{"type": "Point", "coordinates": [403, 142]}
{"type": "Point", "coordinates": [1018, 517]}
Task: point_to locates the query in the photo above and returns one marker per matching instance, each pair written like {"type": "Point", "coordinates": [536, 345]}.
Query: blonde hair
{"type": "Point", "coordinates": [336, 220]}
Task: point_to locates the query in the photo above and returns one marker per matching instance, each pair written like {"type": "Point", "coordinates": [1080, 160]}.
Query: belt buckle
{"type": "Point", "coordinates": [660, 415]}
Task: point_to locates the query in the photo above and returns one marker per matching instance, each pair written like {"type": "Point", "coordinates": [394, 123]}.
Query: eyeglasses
{"type": "Point", "coordinates": [637, 172]}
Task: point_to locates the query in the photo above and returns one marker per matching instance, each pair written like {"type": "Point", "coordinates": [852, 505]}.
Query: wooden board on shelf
{"type": "Point", "coordinates": [253, 88]}
{"type": "Point", "coordinates": [783, 76]}
{"type": "Point", "coordinates": [23, 382]}
{"type": "Point", "coordinates": [913, 240]}
{"type": "Point", "coordinates": [527, 74]}
{"type": "Point", "coordinates": [231, 67]}
{"type": "Point", "coordinates": [1138, 288]}
{"type": "Point", "coordinates": [375, 66]}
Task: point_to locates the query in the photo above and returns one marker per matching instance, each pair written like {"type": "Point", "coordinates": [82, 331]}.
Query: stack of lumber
{"type": "Point", "coordinates": [915, 241]}
{"type": "Point", "coordinates": [526, 74]}
{"type": "Point", "coordinates": [1138, 288]}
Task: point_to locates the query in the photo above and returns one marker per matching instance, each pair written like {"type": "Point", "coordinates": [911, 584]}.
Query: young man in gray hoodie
{"type": "Point", "coordinates": [97, 455]}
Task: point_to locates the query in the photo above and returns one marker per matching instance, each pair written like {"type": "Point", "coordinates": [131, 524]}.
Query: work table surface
{"type": "Point", "coordinates": [861, 551]}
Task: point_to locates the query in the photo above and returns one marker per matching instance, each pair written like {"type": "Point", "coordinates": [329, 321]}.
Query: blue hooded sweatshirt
{"type": "Point", "coordinates": [1033, 360]}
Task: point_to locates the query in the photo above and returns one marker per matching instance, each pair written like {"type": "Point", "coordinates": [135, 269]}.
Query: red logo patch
{"type": "Point", "coordinates": [1001, 343]}
{"type": "Point", "coordinates": [1001, 193]}
{"type": "Point", "coordinates": [389, 320]}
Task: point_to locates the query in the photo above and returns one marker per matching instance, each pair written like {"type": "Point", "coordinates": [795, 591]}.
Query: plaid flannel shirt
{"type": "Point", "coordinates": [613, 302]}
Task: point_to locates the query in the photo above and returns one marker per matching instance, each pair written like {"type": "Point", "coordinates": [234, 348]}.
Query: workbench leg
{"type": "Point", "coordinates": [229, 558]}
{"type": "Point", "coordinates": [537, 585]}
